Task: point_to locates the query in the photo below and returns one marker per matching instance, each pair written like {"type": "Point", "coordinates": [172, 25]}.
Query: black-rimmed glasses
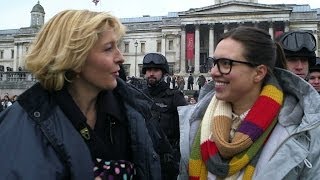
{"type": "Point", "coordinates": [225, 64]}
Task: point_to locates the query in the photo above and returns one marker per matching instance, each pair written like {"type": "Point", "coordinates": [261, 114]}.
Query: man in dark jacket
{"type": "Point", "coordinates": [164, 110]}
{"type": "Point", "coordinates": [201, 81]}
{"type": "Point", "coordinates": [190, 82]}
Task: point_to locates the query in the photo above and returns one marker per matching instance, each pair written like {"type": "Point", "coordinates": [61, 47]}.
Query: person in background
{"type": "Point", "coordinates": [173, 81]}
{"type": "Point", "coordinates": [299, 48]}
{"type": "Point", "coordinates": [314, 75]}
{"type": "Point", "coordinates": [6, 102]}
{"type": "Point", "coordinates": [181, 82]}
{"type": "Point", "coordinates": [192, 101]}
{"type": "Point", "coordinates": [1, 106]}
{"type": "Point", "coordinates": [230, 134]}
{"type": "Point", "coordinates": [80, 121]}
{"type": "Point", "coordinates": [201, 81]}
{"type": "Point", "coordinates": [164, 110]}
{"type": "Point", "coordinates": [186, 97]}
{"type": "Point", "coordinates": [190, 82]}
{"type": "Point", "coordinates": [196, 95]}
{"type": "Point", "coordinates": [168, 80]}
{"type": "Point", "coordinates": [14, 98]}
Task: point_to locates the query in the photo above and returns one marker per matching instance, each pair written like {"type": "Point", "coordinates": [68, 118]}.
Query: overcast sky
{"type": "Point", "coordinates": [16, 13]}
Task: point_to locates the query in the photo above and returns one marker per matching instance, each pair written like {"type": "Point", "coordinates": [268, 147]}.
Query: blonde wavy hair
{"type": "Point", "coordinates": [63, 44]}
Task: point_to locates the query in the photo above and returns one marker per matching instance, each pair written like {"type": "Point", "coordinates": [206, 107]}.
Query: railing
{"type": "Point", "coordinates": [15, 82]}
{"type": "Point", "coordinates": [17, 76]}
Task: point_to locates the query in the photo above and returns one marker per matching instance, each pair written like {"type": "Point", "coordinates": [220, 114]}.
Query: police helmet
{"type": "Point", "coordinates": [155, 60]}
{"type": "Point", "coordinates": [299, 44]}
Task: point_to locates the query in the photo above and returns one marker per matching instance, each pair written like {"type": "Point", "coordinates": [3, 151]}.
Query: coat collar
{"type": "Point", "coordinates": [301, 106]}
{"type": "Point", "coordinates": [134, 97]}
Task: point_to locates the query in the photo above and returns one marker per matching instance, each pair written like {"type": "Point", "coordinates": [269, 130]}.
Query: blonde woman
{"type": "Point", "coordinates": [80, 121]}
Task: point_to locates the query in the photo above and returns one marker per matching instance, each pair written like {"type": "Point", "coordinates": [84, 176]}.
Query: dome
{"type": "Point", "coordinates": [38, 8]}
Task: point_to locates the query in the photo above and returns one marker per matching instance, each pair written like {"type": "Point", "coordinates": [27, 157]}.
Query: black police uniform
{"type": "Point", "coordinates": [164, 111]}
{"type": "Point", "coordinates": [165, 114]}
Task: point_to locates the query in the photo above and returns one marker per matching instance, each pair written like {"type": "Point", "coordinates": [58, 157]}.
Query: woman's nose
{"type": "Point", "coordinates": [215, 71]}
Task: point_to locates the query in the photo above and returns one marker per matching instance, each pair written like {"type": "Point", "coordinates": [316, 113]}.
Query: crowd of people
{"type": "Point", "coordinates": [179, 82]}
{"type": "Point", "coordinates": [7, 101]}
{"type": "Point", "coordinates": [258, 118]}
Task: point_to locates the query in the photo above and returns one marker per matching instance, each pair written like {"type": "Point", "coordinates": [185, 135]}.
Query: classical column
{"type": "Point", "coordinates": [177, 44]}
{"type": "Point", "coordinates": [211, 40]}
{"type": "Point", "coordinates": [163, 44]}
{"type": "Point", "coordinates": [256, 24]}
{"type": "Point", "coordinates": [183, 50]}
{"type": "Point", "coordinates": [286, 26]}
{"type": "Point", "coordinates": [23, 53]}
{"type": "Point", "coordinates": [225, 27]}
{"type": "Point", "coordinates": [16, 55]}
{"type": "Point", "coordinates": [197, 49]}
{"type": "Point", "coordinates": [315, 34]}
{"type": "Point", "coordinates": [20, 51]}
{"type": "Point", "coordinates": [271, 31]}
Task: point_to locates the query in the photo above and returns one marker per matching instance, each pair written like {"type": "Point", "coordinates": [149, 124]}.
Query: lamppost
{"type": "Point", "coordinates": [135, 58]}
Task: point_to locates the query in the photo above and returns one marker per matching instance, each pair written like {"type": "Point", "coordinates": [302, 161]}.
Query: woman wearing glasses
{"type": "Point", "coordinates": [253, 121]}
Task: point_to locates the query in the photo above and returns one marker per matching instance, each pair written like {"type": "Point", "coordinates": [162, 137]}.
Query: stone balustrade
{"type": "Point", "coordinates": [15, 82]}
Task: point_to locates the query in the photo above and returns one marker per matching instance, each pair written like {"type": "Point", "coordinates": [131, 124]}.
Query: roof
{"type": "Point", "coordinates": [318, 10]}
{"type": "Point", "coordinates": [141, 19]}
{"type": "Point", "coordinates": [13, 32]}
{"type": "Point", "coordinates": [9, 31]}
{"type": "Point", "coordinates": [301, 8]}
{"type": "Point", "coordinates": [38, 8]}
{"type": "Point", "coordinates": [294, 7]}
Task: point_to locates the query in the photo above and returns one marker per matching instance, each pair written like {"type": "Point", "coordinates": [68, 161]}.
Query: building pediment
{"type": "Point", "coordinates": [234, 7]}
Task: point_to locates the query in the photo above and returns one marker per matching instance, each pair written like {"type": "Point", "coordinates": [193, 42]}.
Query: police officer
{"type": "Point", "coordinates": [164, 110]}
{"type": "Point", "coordinates": [299, 48]}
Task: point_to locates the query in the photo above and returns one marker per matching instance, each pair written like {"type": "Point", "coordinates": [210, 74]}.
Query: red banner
{"type": "Point", "coordinates": [278, 34]}
{"type": "Point", "coordinates": [190, 46]}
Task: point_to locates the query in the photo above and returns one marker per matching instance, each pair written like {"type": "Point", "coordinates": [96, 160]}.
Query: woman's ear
{"type": "Point", "coordinates": [261, 72]}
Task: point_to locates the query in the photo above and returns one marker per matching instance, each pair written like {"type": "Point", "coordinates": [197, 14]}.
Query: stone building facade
{"type": "Point", "coordinates": [14, 43]}
{"type": "Point", "coordinates": [186, 38]}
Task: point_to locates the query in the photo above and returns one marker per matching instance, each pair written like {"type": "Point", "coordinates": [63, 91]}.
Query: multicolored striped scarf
{"type": "Point", "coordinates": [211, 150]}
